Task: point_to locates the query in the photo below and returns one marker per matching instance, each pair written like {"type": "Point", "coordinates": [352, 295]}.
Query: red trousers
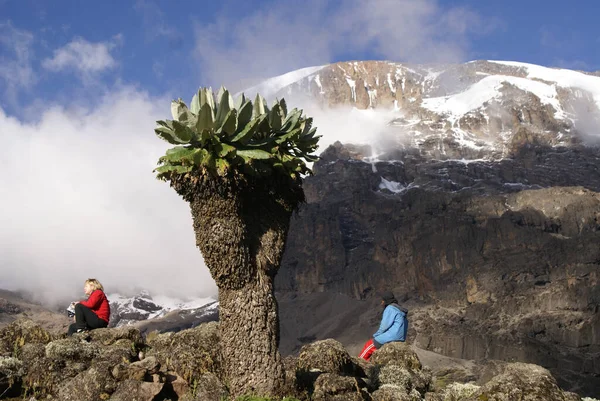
{"type": "Point", "coordinates": [367, 350]}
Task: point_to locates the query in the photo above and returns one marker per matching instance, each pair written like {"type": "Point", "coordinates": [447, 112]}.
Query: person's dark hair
{"type": "Point", "coordinates": [388, 297]}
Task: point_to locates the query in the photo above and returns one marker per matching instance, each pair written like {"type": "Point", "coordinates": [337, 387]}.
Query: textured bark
{"type": "Point", "coordinates": [249, 325]}
{"type": "Point", "coordinates": [241, 227]}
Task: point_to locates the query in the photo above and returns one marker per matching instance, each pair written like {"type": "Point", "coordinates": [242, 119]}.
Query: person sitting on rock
{"type": "Point", "coordinates": [93, 313]}
{"type": "Point", "coordinates": [393, 327]}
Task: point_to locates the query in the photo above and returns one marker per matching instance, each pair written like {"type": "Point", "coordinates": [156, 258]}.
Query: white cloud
{"type": "Point", "coordinates": [79, 200]}
{"type": "Point", "coordinates": [16, 71]}
{"type": "Point", "coordinates": [83, 56]}
{"type": "Point", "coordinates": [286, 36]}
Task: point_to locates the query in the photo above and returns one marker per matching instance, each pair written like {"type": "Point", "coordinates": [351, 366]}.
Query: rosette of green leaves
{"type": "Point", "coordinates": [219, 137]}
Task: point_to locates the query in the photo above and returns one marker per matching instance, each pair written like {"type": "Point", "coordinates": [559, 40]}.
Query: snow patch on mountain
{"type": "Point", "coordinates": [127, 309]}
{"type": "Point", "coordinates": [487, 89]}
{"type": "Point", "coordinates": [562, 77]}
{"type": "Point", "coordinates": [273, 85]}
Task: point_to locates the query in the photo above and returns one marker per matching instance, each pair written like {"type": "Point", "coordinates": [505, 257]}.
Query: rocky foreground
{"type": "Point", "coordinates": [119, 364]}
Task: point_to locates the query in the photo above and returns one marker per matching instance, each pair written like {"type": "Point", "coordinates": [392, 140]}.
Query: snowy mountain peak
{"type": "Point", "coordinates": [480, 109]}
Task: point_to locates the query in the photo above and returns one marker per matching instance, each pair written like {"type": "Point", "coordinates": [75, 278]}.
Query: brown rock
{"type": "Point", "coordinates": [72, 349]}
{"type": "Point", "coordinates": [20, 332]}
{"type": "Point", "coordinates": [206, 388]}
{"type": "Point", "coordinates": [390, 392]}
{"type": "Point", "coordinates": [110, 336]}
{"type": "Point", "coordinates": [190, 353]}
{"type": "Point", "coordinates": [396, 353]}
{"type": "Point", "coordinates": [90, 385]}
{"type": "Point", "coordinates": [179, 384]}
{"type": "Point", "coordinates": [332, 387]}
{"type": "Point", "coordinates": [131, 390]}
{"type": "Point", "coordinates": [326, 356]}
{"type": "Point", "coordinates": [521, 381]}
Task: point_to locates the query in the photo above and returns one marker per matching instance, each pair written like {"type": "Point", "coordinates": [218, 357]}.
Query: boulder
{"type": "Point", "coordinates": [113, 335]}
{"type": "Point", "coordinates": [189, 353]}
{"type": "Point", "coordinates": [131, 390]}
{"type": "Point", "coordinates": [397, 353]}
{"type": "Point", "coordinates": [390, 392]}
{"type": "Point", "coordinates": [333, 387]}
{"type": "Point", "coordinates": [11, 370]}
{"type": "Point", "coordinates": [42, 374]}
{"type": "Point", "coordinates": [417, 379]}
{"type": "Point", "coordinates": [326, 356]}
{"type": "Point", "coordinates": [72, 349]}
{"type": "Point", "coordinates": [178, 384]}
{"type": "Point", "coordinates": [459, 391]}
{"type": "Point", "coordinates": [20, 332]}
{"type": "Point", "coordinates": [207, 387]}
{"type": "Point", "coordinates": [523, 382]}
{"type": "Point", "coordinates": [89, 385]}
{"type": "Point", "coordinates": [140, 370]}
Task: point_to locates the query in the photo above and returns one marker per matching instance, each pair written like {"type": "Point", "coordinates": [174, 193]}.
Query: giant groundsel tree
{"type": "Point", "coordinates": [240, 165]}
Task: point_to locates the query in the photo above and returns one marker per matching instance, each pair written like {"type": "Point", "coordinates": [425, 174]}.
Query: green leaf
{"type": "Point", "coordinates": [178, 154]}
{"type": "Point", "coordinates": [229, 126]}
{"type": "Point", "coordinates": [241, 99]}
{"type": "Point", "coordinates": [289, 136]}
{"type": "Point", "coordinates": [260, 142]}
{"type": "Point", "coordinates": [225, 105]}
{"type": "Point", "coordinates": [259, 106]}
{"type": "Point", "coordinates": [222, 166]}
{"type": "Point", "coordinates": [247, 133]}
{"type": "Point", "coordinates": [264, 101]}
{"type": "Point", "coordinates": [244, 114]}
{"type": "Point", "coordinates": [168, 135]}
{"type": "Point", "coordinates": [306, 126]}
{"type": "Point", "coordinates": [264, 128]}
{"type": "Point", "coordinates": [208, 161]}
{"type": "Point", "coordinates": [224, 149]}
{"type": "Point", "coordinates": [207, 97]}
{"type": "Point", "coordinates": [199, 156]}
{"type": "Point", "coordinates": [183, 133]}
{"type": "Point", "coordinates": [176, 109]}
{"type": "Point", "coordinates": [170, 168]}
{"type": "Point", "coordinates": [205, 118]}
{"type": "Point", "coordinates": [220, 93]}
{"type": "Point", "coordinates": [275, 117]}
{"type": "Point", "coordinates": [195, 104]}
{"type": "Point", "coordinates": [254, 154]}
{"type": "Point", "coordinates": [283, 105]}
{"type": "Point", "coordinates": [292, 120]}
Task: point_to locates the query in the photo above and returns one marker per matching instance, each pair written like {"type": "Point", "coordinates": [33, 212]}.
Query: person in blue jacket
{"type": "Point", "coordinates": [393, 327]}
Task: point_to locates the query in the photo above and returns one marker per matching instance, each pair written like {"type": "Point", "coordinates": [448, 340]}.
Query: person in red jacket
{"type": "Point", "coordinates": [93, 313]}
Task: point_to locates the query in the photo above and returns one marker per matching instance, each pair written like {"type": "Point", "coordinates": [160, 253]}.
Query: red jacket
{"type": "Point", "coordinates": [98, 303]}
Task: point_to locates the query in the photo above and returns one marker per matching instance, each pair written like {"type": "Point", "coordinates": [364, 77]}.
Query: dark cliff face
{"type": "Point", "coordinates": [500, 259]}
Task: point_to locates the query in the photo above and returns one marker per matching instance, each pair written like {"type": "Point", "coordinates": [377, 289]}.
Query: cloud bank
{"type": "Point", "coordinates": [284, 36]}
{"type": "Point", "coordinates": [79, 200]}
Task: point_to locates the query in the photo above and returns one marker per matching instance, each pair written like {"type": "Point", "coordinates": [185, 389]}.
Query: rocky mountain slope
{"type": "Point", "coordinates": [120, 365]}
{"type": "Point", "coordinates": [481, 209]}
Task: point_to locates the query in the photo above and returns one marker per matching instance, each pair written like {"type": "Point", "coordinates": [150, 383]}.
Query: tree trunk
{"type": "Point", "coordinates": [249, 325]}
{"type": "Point", "coordinates": [241, 231]}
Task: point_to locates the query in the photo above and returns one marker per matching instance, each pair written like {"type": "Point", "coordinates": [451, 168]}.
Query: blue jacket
{"type": "Point", "coordinates": [394, 325]}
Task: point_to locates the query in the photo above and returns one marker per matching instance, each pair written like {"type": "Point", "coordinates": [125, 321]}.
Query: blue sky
{"type": "Point", "coordinates": [59, 51]}
{"type": "Point", "coordinates": [83, 82]}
